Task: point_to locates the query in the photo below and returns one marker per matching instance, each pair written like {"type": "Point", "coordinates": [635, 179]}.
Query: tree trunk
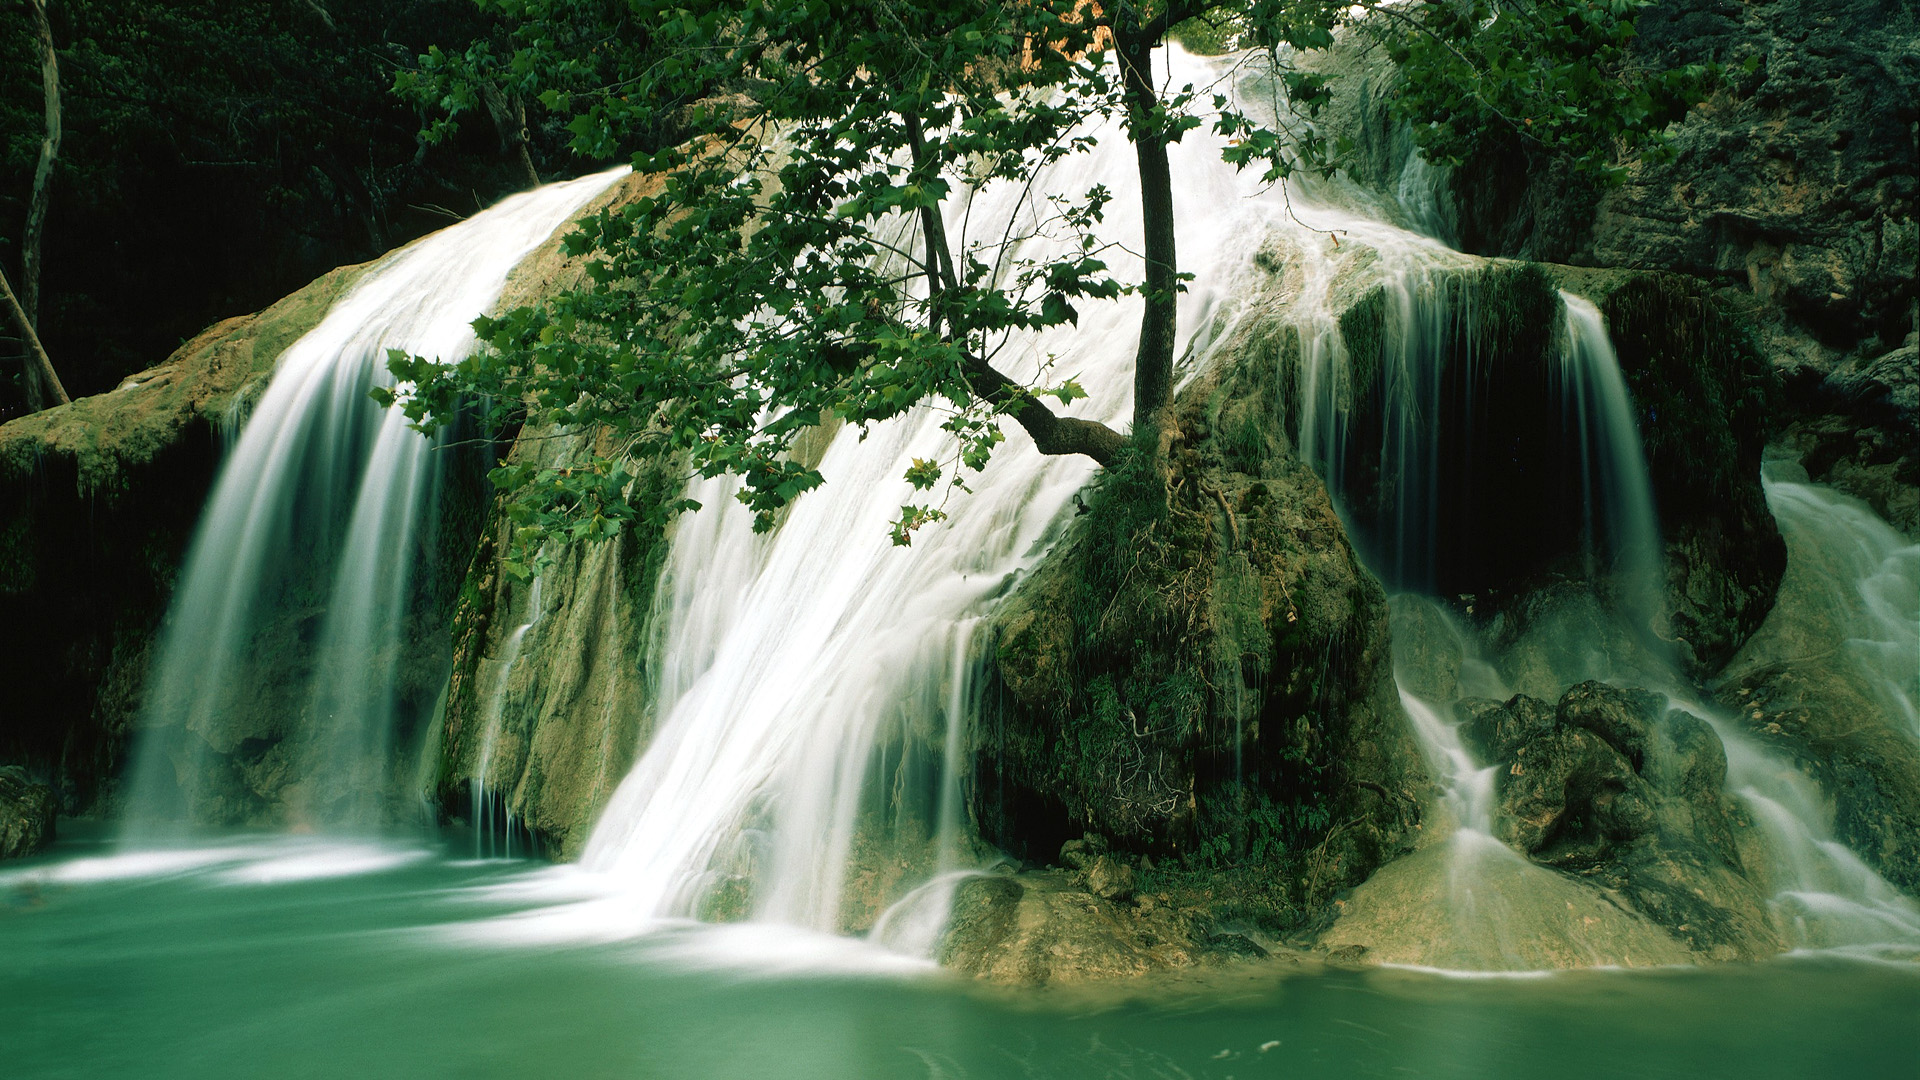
{"type": "Point", "coordinates": [42, 385]}
{"type": "Point", "coordinates": [1153, 363]}
{"type": "Point", "coordinates": [510, 121]}
{"type": "Point", "coordinates": [39, 366]}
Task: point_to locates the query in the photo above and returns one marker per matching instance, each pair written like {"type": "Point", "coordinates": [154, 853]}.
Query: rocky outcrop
{"type": "Point", "coordinates": [27, 812]}
{"type": "Point", "coordinates": [1856, 427]}
{"type": "Point", "coordinates": [1198, 676]}
{"type": "Point", "coordinates": [1499, 517]}
{"type": "Point", "coordinates": [98, 500]}
{"type": "Point", "coordinates": [1481, 906]}
{"type": "Point", "coordinates": [1046, 928]}
{"type": "Point", "coordinates": [1617, 790]}
{"type": "Point", "coordinates": [1794, 185]}
{"type": "Point", "coordinates": [1798, 181]}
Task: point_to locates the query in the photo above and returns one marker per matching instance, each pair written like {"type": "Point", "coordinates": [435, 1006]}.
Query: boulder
{"type": "Point", "coordinates": [1615, 789]}
{"type": "Point", "coordinates": [1039, 928]}
{"type": "Point", "coordinates": [1199, 671]}
{"type": "Point", "coordinates": [27, 812]}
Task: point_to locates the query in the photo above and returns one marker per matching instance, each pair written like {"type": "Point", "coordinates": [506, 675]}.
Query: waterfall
{"type": "Point", "coordinates": [805, 675]}
{"type": "Point", "coordinates": [486, 839]}
{"type": "Point", "coordinates": [277, 692]}
{"type": "Point", "coordinates": [1616, 492]}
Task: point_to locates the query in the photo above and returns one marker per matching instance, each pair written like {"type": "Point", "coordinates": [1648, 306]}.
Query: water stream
{"type": "Point", "coordinates": [811, 685]}
{"type": "Point", "coordinates": [277, 689]}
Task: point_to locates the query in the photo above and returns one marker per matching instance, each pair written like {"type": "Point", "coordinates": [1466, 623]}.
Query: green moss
{"type": "Point", "coordinates": [1363, 329]}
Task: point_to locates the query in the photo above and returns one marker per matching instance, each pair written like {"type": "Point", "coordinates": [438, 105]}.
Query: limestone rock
{"type": "Point", "coordinates": [1110, 879]}
{"type": "Point", "coordinates": [1038, 928]}
{"type": "Point", "coordinates": [27, 812]}
{"type": "Point", "coordinates": [1489, 909]}
{"type": "Point", "coordinates": [1658, 831]}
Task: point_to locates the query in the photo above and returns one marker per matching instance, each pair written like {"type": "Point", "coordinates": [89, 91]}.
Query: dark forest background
{"type": "Point", "coordinates": [219, 154]}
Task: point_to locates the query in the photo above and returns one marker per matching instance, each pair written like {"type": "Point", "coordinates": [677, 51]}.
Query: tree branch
{"type": "Point", "coordinates": [1051, 432]}
{"type": "Point", "coordinates": [38, 362]}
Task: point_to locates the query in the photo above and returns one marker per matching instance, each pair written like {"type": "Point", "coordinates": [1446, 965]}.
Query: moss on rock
{"type": "Point", "coordinates": [1199, 674]}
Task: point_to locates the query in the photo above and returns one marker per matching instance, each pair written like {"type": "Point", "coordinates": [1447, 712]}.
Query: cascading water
{"type": "Point", "coordinates": [277, 693]}
{"type": "Point", "coordinates": [804, 676]}
{"type": "Point", "coordinates": [808, 683]}
{"type": "Point", "coordinates": [1616, 493]}
{"type": "Point", "coordinates": [1874, 598]}
{"type": "Point", "coordinates": [489, 803]}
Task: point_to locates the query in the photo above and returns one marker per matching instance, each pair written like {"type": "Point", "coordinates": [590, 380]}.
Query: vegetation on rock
{"type": "Point", "coordinates": [795, 263]}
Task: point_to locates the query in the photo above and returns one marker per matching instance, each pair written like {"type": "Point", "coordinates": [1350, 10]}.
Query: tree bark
{"type": "Point", "coordinates": [1153, 362]}
{"type": "Point", "coordinates": [510, 121]}
{"type": "Point", "coordinates": [39, 366]}
{"type": "Point", "coordinates": [41, 385]}
{"type": "Point", "coordinates": [1051, 432]}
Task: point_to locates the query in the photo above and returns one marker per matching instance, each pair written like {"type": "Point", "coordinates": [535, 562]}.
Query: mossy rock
{"type": "Point", "coordinates": [1199, 672]}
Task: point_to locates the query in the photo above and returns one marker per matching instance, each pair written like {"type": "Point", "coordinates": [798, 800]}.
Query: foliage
{"type": "Point", "coordinates": [218, 155]}
{"type": "Point", "coordinates": [793, 260]}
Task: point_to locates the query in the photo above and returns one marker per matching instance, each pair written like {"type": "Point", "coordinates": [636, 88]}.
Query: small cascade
{"type": "Point", "coordinates": [1616, 492]}
{"type": "Point", "coordinates": [1823, 895]}
{"type": "Point", "coordinates": [1873, 598]}
{"type": "Point", "coordinates": [487, 803]}
{"type": "Point", "coordinates": [287, 674]}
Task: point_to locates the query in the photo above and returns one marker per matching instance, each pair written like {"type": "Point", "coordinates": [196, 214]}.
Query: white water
{"type": "Point", "coordinates": [1875, 588]}
{"type": "Point", "coordinates": [317, 519]}
{"type": "Point", "coordinates": [486, 840]}
{"type": "Point", "coordinates": [1617, 493]}
{"type": "Point", "coordinates": [794, 667]}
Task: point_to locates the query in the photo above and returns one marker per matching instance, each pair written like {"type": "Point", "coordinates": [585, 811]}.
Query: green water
{"type": "Point", "coordinates": [286, 958]}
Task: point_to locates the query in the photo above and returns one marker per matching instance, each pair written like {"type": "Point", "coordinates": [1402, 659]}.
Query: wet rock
{"type": "Point", "coordinates": [1110, 879]}
{"type": "Point", "coordinates": [1658, 832]}
{"type": "Point", "coordinates": [1828, 725]}
{"type": "Point", "coordinates": [1482, 907]}
{"type": "Point", "coordinates": [1199, 671]}
{"type": "Point", "coordinates": [1037, 929]}
{"type": "Point", "coordinates": [1809, 687]}
{"type": "Point", "coordinates": [27, 812]}
{"type": "Point", "coordinates": [1624, 719]}
{"type": "Point", "coordinates": [1858, 430]}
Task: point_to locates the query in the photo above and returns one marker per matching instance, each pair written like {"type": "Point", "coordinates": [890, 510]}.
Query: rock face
{"type": "Point", "coordinates": [27, 811]}
{"type": "Point", "coordinates": [1612, 787]}
{"type": "Point", "coordinates": [1800, 178]}
{"type": "Point", "coordinates": [1857, 427]}
{"type": "Point", "coordinates": [1507, 493]}
{"type": "Point", "coordinates": [549, 695]}
{"type": "Point", "coordinates": [1795, 184]}
{"type": "Point", "coordinates": [1201, 677]}
{"type": "Point", "coordinates": [98, 500]}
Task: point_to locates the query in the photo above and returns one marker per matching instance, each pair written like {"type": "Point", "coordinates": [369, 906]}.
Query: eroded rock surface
{"type": "Point", "coordinates": [27, 812]}
{"type": "Point", "coordinates": [1622, 793]}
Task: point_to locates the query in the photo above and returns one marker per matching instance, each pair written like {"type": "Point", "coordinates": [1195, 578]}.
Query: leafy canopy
{"type": "Point", "coordinates": [789, 259]}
